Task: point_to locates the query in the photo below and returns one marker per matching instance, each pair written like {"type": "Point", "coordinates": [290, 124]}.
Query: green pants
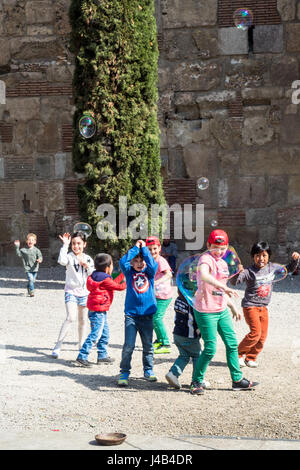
{"type": "Point", "coordinates": [158, 324]}
{"type": "Point", "coordinates": [209, 325]}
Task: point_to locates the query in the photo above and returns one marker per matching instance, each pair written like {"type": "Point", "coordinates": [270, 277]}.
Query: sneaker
{"type": "Point", "coordinates": [105, 360]}
{"type": "Point", "coordinates": [205, 384]}
{"type": "Point", "coordinates": [83, 362]}
{"type": "Point", "coordinates": [55, 353]}
{"type": "Point", "coordinates": [123, 379]}
{"type": "Point", "coordinates": [251, 363]}
{"type": "Point", "coordinates": [242, 362]}
{"type": "Point", "coordinates": [173, 380]}
{"type": "Point", "coordinates": [149, 375]}
{"type": "Point", "coordinates": [31, 293]}
{"type": "Point", "coordinates": [156, 344]}
{"type": "Point", "coordinates": [162, 349]}
{"type": "Point", "coordinates": [196, 388]}
{"type": "Point", "coordinates": [243, 384]}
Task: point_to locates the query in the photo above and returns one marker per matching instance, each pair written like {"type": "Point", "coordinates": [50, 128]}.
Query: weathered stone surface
{"type": "Point", "coordinates": [197, 75]}
{"type": "Point", "coordinates": [294, 190]}
{"type": "Point", "coordinates": [43, 167]}
{"type": "Point", "coordinates": [183, 133]}
{"type": "Point", "coordinates": [4, 52]}
{"type": "Point", "coordinates": [197, 159]}
{"type": "Point", "coordinates": [270, 161]}
{"type": "Point", "coordinates": [262, 93]}
{"type": "Point", "coordinates": [258, 217]}
{"type": "Point", "coordinates": [2, 92]}
{"type": "Point", "coordinates": [1, 168]}
{"type": "Point", "coordinates": [51, 140]}
{"type": "Point", "coordinates": [194, 13]}
{"type": "Point", "coordinates": [176, 163]}
{"type": "Point", "coordinates": [284, 70]}
{"type": "Point", "coordinates": [23, 109]}
{"type": "Point", "coordinates": [180, 46]}
{"type": "Point", "coordinates": [240, 73]}
{"type": "Point", "coordinates": [215, 99]}
{"type": "Point", "coordinates": [287, 9]}
{"type": "Point", "coordinates": [206, 41]}
{"type": "Point", "coordinates": [14, 18]}
{"type": "Point", "coordinates": [244, 192]}
{"type": "Point", "coordinates": [54, 197]}
{"type": "Point", "coordinates": [232, 41]}
{"type": "Point", "coordinates": [256, 131]}
{"type": "Point", "coordinates": [290, 129]}
{"type": "Point", "coordinates": [40, 30]}
{"type": "Point", "coordinates": [293, 37]}
{"type": "Point", "coordinates": [268, 38]}
{"type": "Point", "coordinates": [28, 190]}
{"type": "Point", "coordinates": [30, 49]}
{"type": "Point", "coordinates": [229, 162]}
{"type": "Point", "coordinates": [224, 133]}
{"type": "Point", "coordinates": [277, 190]}
{"type": "Point", "coordinates": [39, 12]}
{"type": "Point", "coordinates": [60, 73]}
{"type": "Point", "coordinates": [60, 165]}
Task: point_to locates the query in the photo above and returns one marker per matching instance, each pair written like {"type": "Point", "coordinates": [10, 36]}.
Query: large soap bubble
{"type": "Point", "coordinates": [243, 18]}
{"type": "Point", "coordinates": [87, 127]}
{"type": "Point", "coordinates": [188, 276]}
{"type": "Point", "coordinates": [84, 228]}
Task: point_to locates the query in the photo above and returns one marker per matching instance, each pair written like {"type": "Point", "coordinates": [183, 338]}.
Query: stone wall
{"type": "Point", "coordinates": [225, 112]}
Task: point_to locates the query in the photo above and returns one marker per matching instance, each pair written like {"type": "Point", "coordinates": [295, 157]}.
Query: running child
{"type": "Point", "coordinates": [163, 294]}
{"type": "Point", "coordinates": [31, 258]}
{"type": "Point", "coordinates": [212, 315]}
{"type": "Point", "coordinates": [101, 287]}
{"type": "Point", "coordinates": [139, 268]}
{"type": "Point", "coordinates": [78, 267]}
{"type": "Point", "coordinates": [258, 278]}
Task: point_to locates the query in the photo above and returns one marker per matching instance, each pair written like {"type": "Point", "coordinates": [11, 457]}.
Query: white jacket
{"type": "Point", "coordinates": [76, 275]}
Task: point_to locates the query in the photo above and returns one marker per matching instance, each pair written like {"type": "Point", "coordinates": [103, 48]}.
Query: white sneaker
{"type": "Point", "coordinates": [251, 364]}
{"type": "Point", "coordinates": [205, 384]}
{"type": "Point", "coordinates": [242, 362]}
{"type": "Point", "coordinates": [173, 380]}
{"type": "Point", "coordinates": [55, 353]}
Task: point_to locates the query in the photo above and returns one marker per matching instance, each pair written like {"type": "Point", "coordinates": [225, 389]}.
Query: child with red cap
{"type": "Point", "coordinates": [212, 315]}
{"type": "Point", "coordinates": [163, 294]}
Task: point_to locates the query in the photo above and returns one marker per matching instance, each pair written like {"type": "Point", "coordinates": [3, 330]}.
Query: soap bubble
{"type": "Point", "coordinates": [243, 18]}
{"type": "Point", "coordinates": [203, 183]}
{"type": "Point", "coordinates": [214, 223]}
{"type": "Point", "coordinates": [188, 273]}
{"type": "Point", "coordinates": [87, 127]}
{"type": "Point", "coordinates": [84, 228]}
{"type": "Point", "coordinates": [277, 272]}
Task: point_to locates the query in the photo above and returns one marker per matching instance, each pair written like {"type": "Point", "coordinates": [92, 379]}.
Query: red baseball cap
{"type": "Point", "coordinates": [152, 241]}
{"type": "Point", "coordinates": [218, 237]}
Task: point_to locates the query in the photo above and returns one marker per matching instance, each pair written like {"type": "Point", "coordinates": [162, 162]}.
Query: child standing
{"type": "Point", "coordinates": [163, 294]}
{"type": "Point", "coordinates": [101, 288]}
{"type": "Point", "coordinates": [187, 339]}
{"type": "Point", "coordinates": [139, 269]}
{"type": "Point", "coordinates": [32, 258]}
{"type": "Point", "coordinates": [258, 278]}
{"type": "Point", "coordinates": [212, 315]}
{"type": "Point", "coordinates": [78, 267]}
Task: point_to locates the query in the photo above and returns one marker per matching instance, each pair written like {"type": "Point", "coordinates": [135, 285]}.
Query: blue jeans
{"type": "Point", "coordinates": [189, 348]}
{"type": "Point", "coordinates": [143, 325]}
{"type": "Point", "coordinates": [31, 280]}
{"type": "Point", "coordinates": [99, 334]}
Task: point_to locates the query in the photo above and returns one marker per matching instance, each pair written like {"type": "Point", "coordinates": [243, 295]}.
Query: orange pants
{"type": "Point", "coordinates": [257, 318]}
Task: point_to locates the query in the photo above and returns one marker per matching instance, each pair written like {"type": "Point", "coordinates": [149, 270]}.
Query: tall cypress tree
{"type": "Point", "coordinates": [115, 81]}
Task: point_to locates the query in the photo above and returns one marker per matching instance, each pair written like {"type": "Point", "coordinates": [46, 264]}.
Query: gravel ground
{"type": "Point", "coordinates": [39, 393]}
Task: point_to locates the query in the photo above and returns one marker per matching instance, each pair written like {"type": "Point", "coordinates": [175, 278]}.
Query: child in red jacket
{"type": "Point", "coordinates": [101, 287]}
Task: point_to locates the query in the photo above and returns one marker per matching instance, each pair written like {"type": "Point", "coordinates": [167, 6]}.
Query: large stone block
{"type": "Point", "coordinates": [290, 129]}
{"type": "Point", "coordinates": [226, 135]}
{"type": "Point", "coordinates": [268, 38]}
{"type": "Point", "coordinates": [33, 48]}
{"type": "Point", "coordinates": [198, 160]}
{"type": "Point", "coordinates": [232, 41]}
{"type": "Point", "coordinates": [287, 9]}
{"type": "Point", "coordinates": [4, 52]}
{"type": "Point", "coordinates": [293, 37]}
{"type": "Point", "coordinates": [60, 165]}
{"type": "Point", "coordinates": [183, 133]}
{"type": "Point", "coordinates": [193, 13]}
{"type": "Point", "coordinates": [39, 12]}
{"type": "Point", "coordinates": [206, 41]}
{"type": "Point", "coordinates": [243, 192]}
{"type": "Point", "coordinates": [270, 161]}
{"type": "Point", "coordinates": [294, 189]}
{"type": "Point", "coordinates": [43, 167]}
{"type": "Point", "coordinates": [193, 76]}
{"type": "Point", "coordinates": [1, 168]}
{"type": "Point", "coordinates": [284, 70]}
{"type": "Point", "coordinates": [23, 109]}
{"type": "Point", "coordinates": [256, 131]}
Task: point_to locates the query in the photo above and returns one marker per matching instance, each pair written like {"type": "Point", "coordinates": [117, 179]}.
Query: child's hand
{"type": "Point", "coordinates": [230, 292]}
{"type": "Point", "coordinates": [17, 243]}
{"type": "Point", "coordinates": [140, 243]}
{"type": "Point", "coordinates": [39, 260]}
{"type": "Point", "coordinates": [65, 238]}
{"type": "Point", "coordinates": [240, 268]}
{"type": "Point", "coordinates": [295, 255]}
{"type": "Point", "coordinates": [236, 316]}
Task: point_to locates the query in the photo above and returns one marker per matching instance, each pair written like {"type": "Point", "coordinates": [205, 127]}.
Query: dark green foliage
{"type": "Point", "coordinates": [115, 81]}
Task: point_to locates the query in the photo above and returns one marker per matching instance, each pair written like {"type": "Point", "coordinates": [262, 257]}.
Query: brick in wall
{"type": "Point", "coordinates": [38, 88]}
{"type": "Point", "coordinates": [264, 11]}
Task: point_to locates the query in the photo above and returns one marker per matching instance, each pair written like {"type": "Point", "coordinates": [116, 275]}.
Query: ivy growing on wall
{"type": "Point", "coordinates": [115, 82]}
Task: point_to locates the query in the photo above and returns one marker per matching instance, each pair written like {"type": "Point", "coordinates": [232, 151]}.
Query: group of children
{"type": "Point", "coordinates": [147, 278]}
